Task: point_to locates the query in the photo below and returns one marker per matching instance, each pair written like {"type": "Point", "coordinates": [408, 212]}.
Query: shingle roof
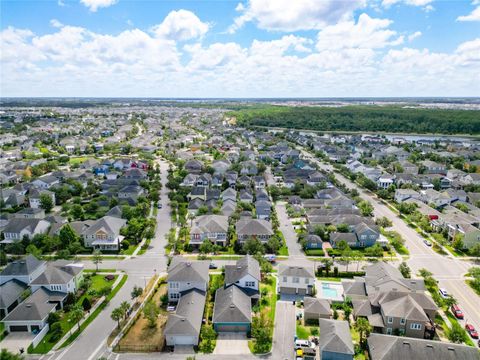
{"type": "Point", "coordinates": [316, 306]}
{"type": "Point", "coordinates": [57, 273]}
{"type": "Point", "coordinates": [10, 291]}
{"type": "Point", "coordinates": [187, 319]}
{"type": "Point", "coordinates": [254, 227]}
{"type": "Point", "coordinates": [291, 270]}
{"type": "Point", "coordinates": [108, 223]}
{"type": "Point", "coordinates": [232, 305]}
{"type": "Point", "coordinates": [244, 266]}
{"type": "Point", "coordinates": [23, 266]}
{"type": "Point", "coordinates": [18, 224]}
{"type": "Point", "coordinates": [35, 307]}
{"type": "Point", "coordinates": [182, 269]}
{"type": "Point", "coordinates": [387, 347]}
{"type": "Point", "coordinates": [335, 337]}
{"type": "Point", "coordinates": [210, 224]}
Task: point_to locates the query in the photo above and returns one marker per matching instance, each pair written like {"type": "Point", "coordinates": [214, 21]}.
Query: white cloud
{"type": "Point", "coordinates": [94, 5]}
{"type": "Point", "coordinates": [473, 16]}
{"type": "Point", "coordinates": [181, 25]}
{"type": "Point", "coordinates": [55, 23]}
{"type": "Point", "coordinates": [415, 35]}
{"type": "Point", "coordinates": [137, 63]}
{"type": "Point", "coordinates": [367, 33]}
{"type": "Point", "coordinates": [387, 3]}
{"type": "Point", "coordinates": [287, 15]}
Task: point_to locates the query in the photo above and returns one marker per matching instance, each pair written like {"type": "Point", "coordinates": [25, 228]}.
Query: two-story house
{"type": "Point", "coordinates": [104, 234]}
{"type": "Point", "coordinates": [253, 228]}
{"type": "Point", "coordinates": [209, 227]}
{"type": "Point", "coordinates": [184, 275]}
{"type": "Point", "coordinates": [17, 229]}
{"type": "Point", "coordinates": [295, 280]}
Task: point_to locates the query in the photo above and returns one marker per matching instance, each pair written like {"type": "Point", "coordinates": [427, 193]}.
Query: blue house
{"type": "Point", "coordinates": [232, 311]}
{"type": "Point", "coordinates": [313, 242]}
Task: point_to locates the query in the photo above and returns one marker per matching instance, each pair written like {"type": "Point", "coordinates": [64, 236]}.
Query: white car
{"type": "Point", "coordinates": [302, 344]}
{"type": "Point", "coordinates": [171, 308]}
{"type": "Point", "coordinates": [443, 292]}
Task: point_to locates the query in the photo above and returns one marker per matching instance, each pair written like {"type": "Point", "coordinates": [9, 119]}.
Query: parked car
{"type": "Point", "coordinates": [212, 266]}
{"type": "Point", "coordinates": [471, 330]}
{"type": "Point", "coordinates": [270, 257]}
{"type": "Point", "coordinates": [171, 308]}
{"type": "Point", "coordinates": [159, 205]}
{"type": "Point", "coordinates": [427, 242]}
{"type": "Point", "coordinates": [443, 292]}
{"type": "Point", "coordinates": [303, 344]}
{"type": "Point", "coordinates": [456, 311]}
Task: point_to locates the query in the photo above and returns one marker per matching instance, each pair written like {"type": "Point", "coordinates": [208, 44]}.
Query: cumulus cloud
{"type": "Point", "coordinates": [181, 25]}
{"type": "Point", "coordinates": [94, 5]}
{"type": "Point", "coordinates": [387, 3]}
{"type": "Point", "coordinates": [415, 35]}
{"type": "Point", "coordinates": [287, 15]}
{"type": "Point", "coordinates": [473, 16]}
{"type": "Point", "coordinates": [367, 33]}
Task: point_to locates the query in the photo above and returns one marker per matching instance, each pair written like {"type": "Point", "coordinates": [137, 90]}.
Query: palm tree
{"type": "Point", "coordinates": [449, 301]}
{"type": "Point", "coordinates": [364, 328]}
{"type": "Point", "coordinates": [97, 257]}
{"type": "Point", "coordinates": [117, 315]}
{"type": "Point", "coordinates": [76, 314]}
{"type": "Point", "coordinates": [125, 306]}
{"type": "Point", "coordinates": [328, 265]}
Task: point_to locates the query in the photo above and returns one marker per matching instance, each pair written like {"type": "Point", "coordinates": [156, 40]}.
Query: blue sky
{"type": "Point", "coordinates": [250, 48]}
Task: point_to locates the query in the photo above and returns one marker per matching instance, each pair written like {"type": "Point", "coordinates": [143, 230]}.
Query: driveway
{"type": "Point", "coordinates": [231, 344]}
{"type": "Point", "coordinates": [294, 247]}
{"type": "Point", "coordinates": [16, 341]}
{"type": "Point", "coordinates": [284, 332]}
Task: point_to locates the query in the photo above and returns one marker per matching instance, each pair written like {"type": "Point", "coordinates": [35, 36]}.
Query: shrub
{"type": "Point", "coordinates": [125, 244]}
{"type": "Point", "coordinates": [86, 304]}
{"type": "Point", "coordinates": [53, 318]}
{"type": "Point", "coordinates": [56, 332]}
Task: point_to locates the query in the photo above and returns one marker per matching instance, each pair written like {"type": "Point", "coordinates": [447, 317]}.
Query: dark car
{"type": "Point", "coordinates": [212, 266]}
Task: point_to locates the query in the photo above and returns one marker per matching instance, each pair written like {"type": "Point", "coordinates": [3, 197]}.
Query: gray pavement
{"type": "Point", "coordinates": [294, 247]}
{"type": "Point", "coordinates": [284, 331]}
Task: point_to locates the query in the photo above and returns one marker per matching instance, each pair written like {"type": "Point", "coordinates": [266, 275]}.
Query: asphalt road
{"type": "Point", "coordinates": [284, 331]}
{"type": "Point", "coordinates": [448, 270]}
{"type": "Point", "coordinates": [91, 344]}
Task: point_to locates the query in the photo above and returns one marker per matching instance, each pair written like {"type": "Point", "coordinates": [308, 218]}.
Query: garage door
{"type": "Point", "coordinates": [232, 328]}
{"type": "Point", "coordinates": [184, 340]}
{"type": "Point", "coordinates": [302, 291]}
{"type": "Point", "coordinates": [18, 328]}
{"type": "Point", "coordinates": [285, 290]}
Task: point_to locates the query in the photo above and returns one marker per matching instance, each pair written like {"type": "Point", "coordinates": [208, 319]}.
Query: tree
{"type": "Point", "coordinates": [136, 292]}
{"type": "Point", "coordinates": [33, 250]}
{"type": "Point", "coordinates": [53, 317]}
{"type": "Point", "coordinates": [384, 222]}
{"type": "Point", "coordinates": [86, 304]}
{"type": "Point", "coordinates": [449, 301]}
{"type": "Point", "coordinates": [7, 355]}
{"type": "Point", "coordinates": [456, 334]}
{"type": "Point", "coordinates": [207, 336]}
{"type": "Point", "coordinates": [67, 235]}
{"type": "Point", "coordinates": [365, 208]}
{"type": "Point", "coordinates": [253, 246]}
{"type": "Point", "coordinates": [206, 247]}
{"type": "Point", "coordinates": [347, 255]}
{"type": "Point", "coordinates": [56, 332]}
{"type": "Point", "coordinates": [364, 329]}
{"type": "Point", "coordinates": [150, 312]}
{"type": "Point", "coordinates": [405, 270]}
{"type": "Point", "coordinates": [97, 258]}
{"type": "Point", "coordinates": [3, 258]}
{"type": "Point", "coordinates": [117, 315]}
{"type": "Point", "coordinates": [261, 331]}
{"type": "Point", "coordinates": [125, 306]}
{"type": "Point", "coordinates": [457, 242]}
{"type": "Point", "coordinates": [475, 250]}
{"type": "Point", "coordinates": [46, 202]}
{"type": "Point", "coordinates": [274, 244]}
{"type": "Point", "coordinates": [328, 263]}
{"type": "Point", "coordinates": [76, 314]}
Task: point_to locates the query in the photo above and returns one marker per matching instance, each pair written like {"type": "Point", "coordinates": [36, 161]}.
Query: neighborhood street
{"type": "Point", "coordinates": [448, 270]}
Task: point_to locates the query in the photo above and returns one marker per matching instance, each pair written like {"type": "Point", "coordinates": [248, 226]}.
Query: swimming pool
{"type": "Point", "coordinates": [331, 291]}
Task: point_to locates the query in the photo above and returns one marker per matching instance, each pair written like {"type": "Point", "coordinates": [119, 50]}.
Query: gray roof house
{"type": "Point", "coordinates": [386, 347]}
{"type": "Point", "coordinates": [245, 274]}
{"type": "Point", "coordinates": [232, 311]}
{"type": "Point", "coordinates": [254, 228]}
{"type": "Point", "coordinates": [183, 327]}
{"type": "Point", "coordinates": [295, 280]}
{"type": "Point", "coordinates": [104, 234]}
{"type": "Point", "coordinates": [209, 227]}
{"type": "Point", "coordinates": [336, 340]}
{"type": "Point", "coordinates": [10, 296]}
{"type": "Point", "coordinates": [61, 276]}
{"type": "Point", "coordinates": [16, 229]}
{"type": "Point", "coordinates": [315, 309]}
{"type": "Point", "coordinates": [25, 270]}
{"type": "Point", "coordinates": [184, 275]}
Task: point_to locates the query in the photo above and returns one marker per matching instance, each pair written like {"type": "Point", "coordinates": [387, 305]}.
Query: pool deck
{"type": "Point", "coordinates": [333, 285]}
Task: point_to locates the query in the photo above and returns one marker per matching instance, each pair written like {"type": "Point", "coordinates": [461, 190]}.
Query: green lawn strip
{"type": "Point", "coordinates": [283, 251]}
{"type": "Point", "coordinates": [131, 249]}
{"type": "Point", "coordinates": [314, 252]}
{"type": "Point", "coordinates": [104, 257]}
{"type": "Point", "coordinates": [303, 332]}
{"type": "Point", "coordinates": [2, 331]}
{"type": "Point", "coordinates": [452, 319]}
{"type": "Point", "coordinates": [470, 283]}
{"type": "Point", "coordinates": [97, 311]}
{"type": "Point", "coordinates": [324, 278]}
{"type": "Point", "coordinates": [100, 271]}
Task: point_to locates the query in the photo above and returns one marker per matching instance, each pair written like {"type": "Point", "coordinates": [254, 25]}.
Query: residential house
{"type": "Point", "coordinates": [130, 192]}
{"type": "Point", "coordinates": [104, 234]}
{"type": "Point", "coordinates": [313, 241]}
{"type": "Point", "coordinates": [405, 194]}
{"type": "Point", "coordinates": [34, 197]}
{"type": "Point", "coordinates": [295, 280]}
{"type": "Point", "coordinates": [408, 167]}
{"type": "Point", "coordinates": [229, 194]}
{"type": "Point", "coordinates": [184, 275]}
{"type": "Point", "coordinates": [24, 270]}
{"type": "Point", "coordinates": [45, 182]}
{"type": "Point", "coordinates": [193, 166]}
{"type": "Point", "coordinates": [263, 209]}
{"type": "Point", "coordinates": [336, 340]}
{"type": "Point", "coordinates": [17, 229]}
{"type": "Point", "coordinates": [385, 347]}
{"type": "Point", "coordinates": [432, 167]}
{"type": "Point", "coordinates": [30, 213]}
{"type": "Point", "coordinates": [10, 296]}
{"type": "Point", "coordinates": [247, 228]}
{"type": "Point", "coordinates": [245, 274]}
{"type": "Point", "coordinates": [232, 311]}
{"type": "Point", "coordinates": [61, 275]}
{"type": "Point", "coordinates": [209, 227]}
{"type": "Point", "coordinates": [315, 309]}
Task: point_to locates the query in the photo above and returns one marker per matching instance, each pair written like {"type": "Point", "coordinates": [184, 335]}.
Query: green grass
{"type": "Point", "coordinates": [97, 311]}
{"type": "Point", "coordinates": [302, 332]}
{"type": "Point", "coordinates": [130, 250]}
{"type": "Point", "coordinates": [283, 251]}
{"type": "Point", "coordinates": [2, 331]}
{"type": "Point", "coordinates": [78, 160]}
{"type": "Point", "coordinates": [452, 319]}
{"type": "Point", "coordinates": [100, 271]}
{"type": "Point", "coordinates": [324, 278]}
{"type": "Point", "coordinates": [314, 252]}
{"type": "Point", "coordinates": [104, 257]}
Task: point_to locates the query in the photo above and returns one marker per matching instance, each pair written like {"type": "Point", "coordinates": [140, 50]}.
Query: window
{"type": "Point", "coordinates": [250, 283]}
{"type": "Point", "coordinates": [285, 279]}
{"type": "Point", "coordinates": [416, 326]}
{"type": "Point", "coordinates": [175, 296]}
{"type": "Point", "coordinates": [390, 320]}
{"type": "Point", "coordinates": [306, 281]}
{"type": "Point", "coordinates": [173, 285]}
{"type": "Point", "coordinates": [402, 321]}
{"type": "Point", "coordinates": [296, 280]}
